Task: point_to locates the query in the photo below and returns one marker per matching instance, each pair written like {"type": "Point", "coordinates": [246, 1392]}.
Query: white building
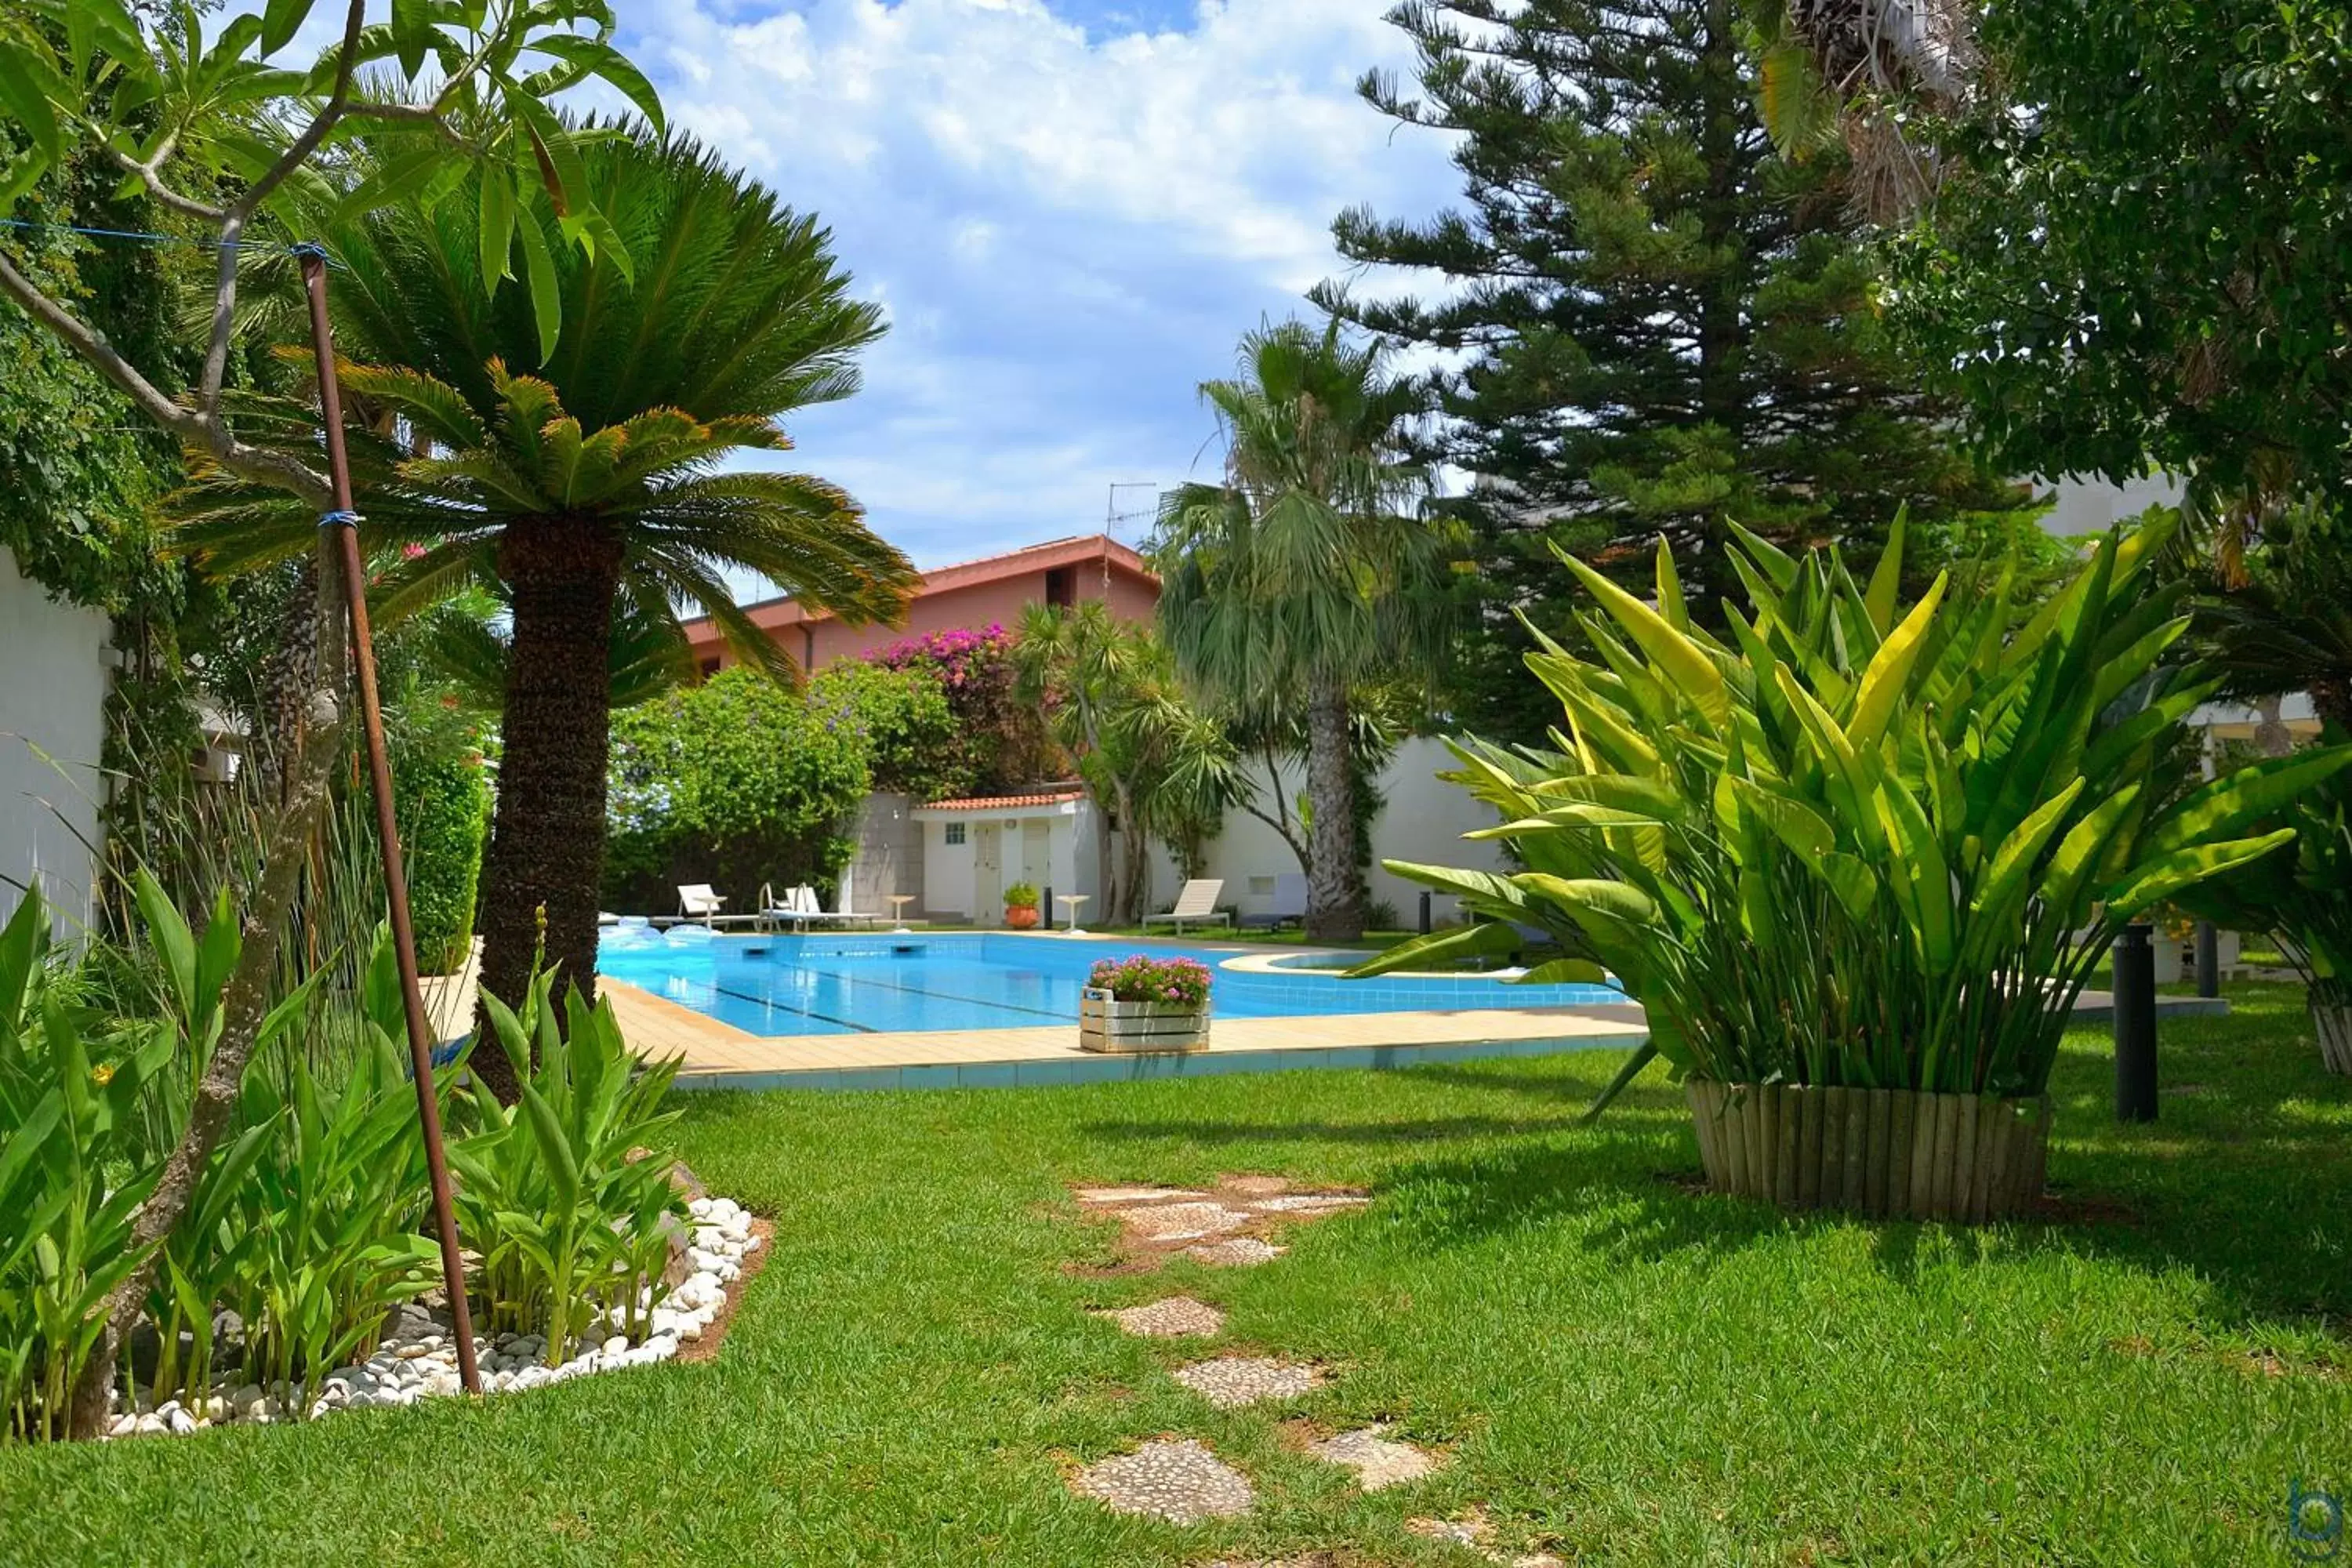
{"type": "Point", "coordinates": [967, 852]}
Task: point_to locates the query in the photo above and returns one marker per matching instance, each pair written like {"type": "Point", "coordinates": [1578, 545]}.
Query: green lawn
{"type": "Point", "coordinates": [1620, 1370]}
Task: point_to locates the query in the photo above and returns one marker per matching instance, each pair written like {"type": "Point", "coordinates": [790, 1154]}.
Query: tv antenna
{"type": "Point", "coordinates": [1113, 517]}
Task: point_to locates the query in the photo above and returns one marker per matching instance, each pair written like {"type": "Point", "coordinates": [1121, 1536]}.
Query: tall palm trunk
{"type": "Point", "coordinates": [547, 838]}
{"type": "Point", "coordinates": [1335, 892]}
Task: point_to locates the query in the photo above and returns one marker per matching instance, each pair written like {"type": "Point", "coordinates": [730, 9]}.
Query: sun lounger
{"type": "Point", "coordinates": [1197, 904]}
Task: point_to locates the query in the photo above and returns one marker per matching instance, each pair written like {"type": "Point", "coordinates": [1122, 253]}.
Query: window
{"type": "Point", "coordinates": [1062, 588]}
{"type": "Point", "coordinates": [709, 667]}
{"type": "Point", "coordinates": [955, 833]}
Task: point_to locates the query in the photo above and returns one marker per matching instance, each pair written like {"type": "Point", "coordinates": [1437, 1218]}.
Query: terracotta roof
{"type": "Point", "coordinates": [1076, 550]}
{"type": "Point", "coordinates": [1006, 802]}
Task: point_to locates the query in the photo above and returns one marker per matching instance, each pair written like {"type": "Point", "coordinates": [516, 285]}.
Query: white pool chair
{"type": "Point", "coordinates": [698, 904]}
{"type": "Point", "coordinates": [1196, 904]}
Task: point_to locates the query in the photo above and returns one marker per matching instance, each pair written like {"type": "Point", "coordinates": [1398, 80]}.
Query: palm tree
{"type": "Point", "coordinates": [1110, 698]}
{"type": "Point", "coordinates": [1305, 574]}
{"type": "Point", "coordinates": [592, 493]}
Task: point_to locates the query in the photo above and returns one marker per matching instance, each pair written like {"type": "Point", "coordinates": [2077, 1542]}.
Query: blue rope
{"type": "Point", "coordinates": [307, 247]}
{"type": "Point", "coordinates": [338, 520]}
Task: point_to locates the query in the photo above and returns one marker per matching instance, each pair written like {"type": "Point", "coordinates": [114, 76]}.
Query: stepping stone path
{"type": "Point", "coordinates": [1177, 1480]}
{"type": "Point", "coordinates": [1232, 1381]}
{"type": "Point", "coordinates": [1472, 1532]}
{"type": "Point", "coordinates": [1378, 1462]}
{"type": "Point", "coordinates": [1235, 1252]}
{"type": "Point", "coordinates": [1215, 1225]}
{"type": "Point", "coordinates": [1182, 1222]}
{"type": "Point", "coordinates": [1172, 1319]}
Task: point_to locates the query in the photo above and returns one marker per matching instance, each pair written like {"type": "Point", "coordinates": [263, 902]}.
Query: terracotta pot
{"type": "Point", "coordinates": [1020, 917]}
{"type": "Point", "coordinates": [1888, 1153]}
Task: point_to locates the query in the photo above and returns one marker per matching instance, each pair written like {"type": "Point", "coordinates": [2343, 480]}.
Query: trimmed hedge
{"type": "Point", "coordinates": [442, 803]}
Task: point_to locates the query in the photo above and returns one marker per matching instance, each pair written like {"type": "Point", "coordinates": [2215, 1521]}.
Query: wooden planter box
{"type": "Point", "coordinates": [1887, 1153]}
{"type": "Point", "coordinates": [1131, 1027]}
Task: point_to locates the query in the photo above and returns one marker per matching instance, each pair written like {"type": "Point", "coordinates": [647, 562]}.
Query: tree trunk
{"type": "Point", "coordinates": [1335, 887]}
{"type": "Point", "coordinates": [1135, 853]}
{"type": "Point", "coordinates": [298, 790]}
{"type": "Point", "coordinates": [547, 836]}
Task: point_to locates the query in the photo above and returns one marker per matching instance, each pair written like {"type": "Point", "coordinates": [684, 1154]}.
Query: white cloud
{"type": "Point", "coordinates": [1071, 211]}
{"type": "Point", "coordinates": [1071, 223]}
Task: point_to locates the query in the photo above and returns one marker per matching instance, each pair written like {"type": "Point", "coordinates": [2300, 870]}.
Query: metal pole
{"type": "Point", "coordinates": [1425, 912]}
{"type": "Point", "coordinates": [2135, 1026]}
{"type": "Point", "coordinates": [395, 879]}
{"type": "Point", "coordinates": [2208, 960]}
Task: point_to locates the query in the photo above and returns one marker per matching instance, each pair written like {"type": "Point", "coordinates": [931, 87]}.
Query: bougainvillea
{"type": "Point", "coordinates": [1143, 978]}
{"type": "Point", "coordinates": [1000, 744]}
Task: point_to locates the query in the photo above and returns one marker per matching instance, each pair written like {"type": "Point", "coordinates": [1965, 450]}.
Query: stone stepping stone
{"type": "Point", "coordinates": [1235, 1252]}
{"type": "Point", "coordinates": [1175, 1479]}
{"type": "Point", "coordinates": [1472, 1532]}
{"type": "Point", "coordinates": [1136, 1194]}
{"type": "Point", "coordinates": [1230, 1381]}
{"type": "Point", "coordinates": [1377, 1461]}
{"type": "Point", "coordinates": [1310, 1202]}
{"type": "Point", "coordinates": [1182, 1221]}
{"type": "Point", "coordinates": [1172, 1319]}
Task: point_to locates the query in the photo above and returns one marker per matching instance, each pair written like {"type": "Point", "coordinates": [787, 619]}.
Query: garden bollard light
{"type": "Point", "coordinates": [2135, 1005]}
{"type": "Point", "coordinates": [1424, 912]}
{"type": "Point", "coordinates": [2208, 960]}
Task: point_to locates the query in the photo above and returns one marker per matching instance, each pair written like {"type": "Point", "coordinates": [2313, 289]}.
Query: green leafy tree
{"type": "Point", "coordinates": [1111, 701]}
{"type": "Point", "coordinates": [1657, 321]}
{"type": "Point", "coordinates": [1308, 573]}
{"type": "Point", "coordinates": [2140, 249]}
{"type": "Point", "coordinates": [596, 488]}
{"type": "Point", "coordinates": [735, 782]}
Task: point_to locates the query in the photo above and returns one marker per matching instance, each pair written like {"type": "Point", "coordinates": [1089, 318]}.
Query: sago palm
{"type": "Point", "coordinates": [1307, 573]}
{"type": "Point", "coordinates": [592, 488]}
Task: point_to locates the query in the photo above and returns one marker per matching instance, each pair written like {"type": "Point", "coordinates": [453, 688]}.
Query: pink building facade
{"type": "Point", "coordinates": [1090, 569]}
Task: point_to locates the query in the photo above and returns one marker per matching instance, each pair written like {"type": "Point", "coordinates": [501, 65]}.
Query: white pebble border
{"type": "Point", "coordinates": [417, 1360]}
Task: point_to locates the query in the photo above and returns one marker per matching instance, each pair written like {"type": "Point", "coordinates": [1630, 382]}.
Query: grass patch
{"type": "Point", "coordinates": [1615, 1367]}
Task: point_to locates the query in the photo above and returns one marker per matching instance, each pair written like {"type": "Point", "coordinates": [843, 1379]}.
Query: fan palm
{"type": "Point", "coordinates": [593, 492]}
{"type": "Point", "coordinates": [1303, 576]}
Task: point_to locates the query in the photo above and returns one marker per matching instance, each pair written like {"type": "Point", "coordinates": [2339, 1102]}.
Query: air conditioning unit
{"type": "Point", "coordinates": [218, 765]}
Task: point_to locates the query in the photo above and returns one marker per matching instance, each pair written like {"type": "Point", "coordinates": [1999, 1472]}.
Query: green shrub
{"type": "Point", "coordinates": [1857, 844]}
{"type": "Point", "coordinates": [735, 783]}
{"type": "Point", "coordinates": [443, 805]}
{"type": "Point", "coordinates": [568, 1226]}
{"type": "Point", "coordinates": [1021, 896]}
{"type": "Point", "coordinates": [913, 742]}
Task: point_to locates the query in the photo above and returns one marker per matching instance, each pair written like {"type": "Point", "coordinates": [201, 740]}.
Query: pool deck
{"type": "Point", "coordinates": [713, 1055]}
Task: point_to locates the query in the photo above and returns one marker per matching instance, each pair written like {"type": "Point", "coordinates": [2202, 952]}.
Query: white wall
{"type": "Point", "coordinates": [1424, 822]}
{"type": "Point", "coordinates": [53, 676]}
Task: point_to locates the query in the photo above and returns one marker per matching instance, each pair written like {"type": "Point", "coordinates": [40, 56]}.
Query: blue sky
{"type": "Point", "coordinates": [1070, 209]}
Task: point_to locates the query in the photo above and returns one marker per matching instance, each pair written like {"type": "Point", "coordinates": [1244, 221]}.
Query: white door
{"type": "Point", "coordinates": [987, 872]}
{"type": "Point", "coordinates": [1037, 853]}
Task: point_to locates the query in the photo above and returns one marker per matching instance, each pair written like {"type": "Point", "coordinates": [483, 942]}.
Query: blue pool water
{"type": "Point", "coordinates": [865, 983]}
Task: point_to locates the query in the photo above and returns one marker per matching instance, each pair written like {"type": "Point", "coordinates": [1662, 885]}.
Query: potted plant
{"type": "Point", "coordinates": [1021, 906]}
{"type": "Point", "coordinates": [1145, 1003]}
{"type": "Point", "coordinates": [1857, 861]}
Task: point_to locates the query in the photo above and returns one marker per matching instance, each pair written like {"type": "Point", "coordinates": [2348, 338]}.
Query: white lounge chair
{"type": "Point", "coordinates": [698, 904]}
{"type": "Point", "coordinates": [1197, 904]}
{"type": "Point", "coordinates": [841, 914]}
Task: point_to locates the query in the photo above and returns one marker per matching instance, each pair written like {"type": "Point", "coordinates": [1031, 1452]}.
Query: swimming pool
{"type": "Point", "coordinates": [853, 984]}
